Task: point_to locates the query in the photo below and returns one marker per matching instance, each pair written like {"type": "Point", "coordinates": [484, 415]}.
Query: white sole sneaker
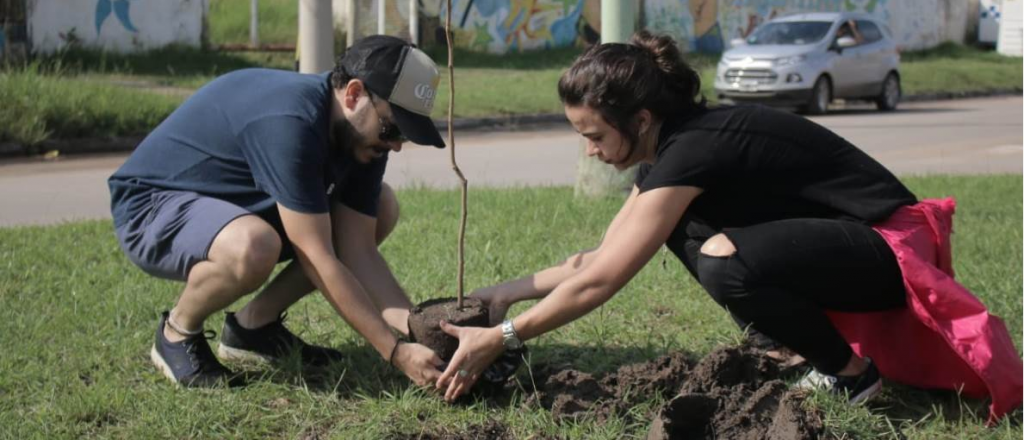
{"type": "Point", "coordinates": [162, 365]}
{"type": "Point", "coordinates": [238, 355]}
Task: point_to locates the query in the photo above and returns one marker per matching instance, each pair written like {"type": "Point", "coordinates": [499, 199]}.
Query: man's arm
{"type": "Point", "coordinates": [310, 235]}
{"type": "Point", "coordinates": [356, 245]}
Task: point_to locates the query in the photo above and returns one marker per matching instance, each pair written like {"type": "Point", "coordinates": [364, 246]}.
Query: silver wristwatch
{"type": "Point", "coordinates": [509, 337]}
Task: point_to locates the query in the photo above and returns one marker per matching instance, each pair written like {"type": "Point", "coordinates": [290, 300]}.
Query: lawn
{"type": "Point", "coordinates": [77, 320]}
{"type": "Point", "coordinates": [229, 21]}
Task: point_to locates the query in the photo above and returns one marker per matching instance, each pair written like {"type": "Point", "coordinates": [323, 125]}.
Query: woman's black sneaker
{"type": "Point", "coordinates": [269, 343]}
{"type": "Point", "coordinates": [857, 388]}
{"type": "Point", "coordinates": [190, 362]}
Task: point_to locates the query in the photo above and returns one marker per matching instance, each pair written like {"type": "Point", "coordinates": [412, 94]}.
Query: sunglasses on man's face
{"type": "Point", "coordinates": [389, 132]}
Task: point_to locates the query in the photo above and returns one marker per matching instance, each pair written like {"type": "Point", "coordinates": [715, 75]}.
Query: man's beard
{"type": "Point", "coordinates": [345, 137]}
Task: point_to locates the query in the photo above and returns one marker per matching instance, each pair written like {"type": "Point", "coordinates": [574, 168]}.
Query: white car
{"type": "Point", "coordinates": [807, 60]}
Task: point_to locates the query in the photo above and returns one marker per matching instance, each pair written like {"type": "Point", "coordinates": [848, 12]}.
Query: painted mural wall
{"type": "Point", "coordinates": [496, 26]}
{"type": "Point", "coordinates": [501, 26]}
{"type": "Point", "coordinates": [115, 25]}
{"type": "Point", "coordinates": [709, 25]}
{"type": "Point", "coordinates": [516, 25]}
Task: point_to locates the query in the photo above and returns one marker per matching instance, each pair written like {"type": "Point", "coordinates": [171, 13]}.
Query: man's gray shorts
{"type": "Point", "coordinates": [175, 231]}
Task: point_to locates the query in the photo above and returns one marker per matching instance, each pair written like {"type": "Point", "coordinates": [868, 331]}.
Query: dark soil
{"type": "Point", "coordinates": [425, 319]}
{"type": "Point", "coordinates": [732, 393]}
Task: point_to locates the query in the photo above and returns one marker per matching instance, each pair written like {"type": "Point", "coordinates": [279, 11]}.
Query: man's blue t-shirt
{"type": "Point", "coordinates": [254, 138]}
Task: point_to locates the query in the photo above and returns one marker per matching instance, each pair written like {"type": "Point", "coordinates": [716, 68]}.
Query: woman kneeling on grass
{"type": "Point", "coordinates": [787, 225]}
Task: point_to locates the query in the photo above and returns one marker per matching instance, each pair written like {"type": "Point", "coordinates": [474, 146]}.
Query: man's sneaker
{"type": "Point", "coordinates": [269, 343]}
{"type": "Point", "coordinates": [858, 388]}
{"type": "Point", "coordinates": [190, 362]}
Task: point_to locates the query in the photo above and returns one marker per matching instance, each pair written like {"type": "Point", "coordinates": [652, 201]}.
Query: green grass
{"type": "Point", "coordinates": [486, 84]}
{"type": "Point", "coordinates": [170, 66]}
{"type": "Point", "coordinates": [77, 321]}
{"type": "Point", "coordinates": [955, 68]}
{"type": "Point", "coordinates": [229, 21]}
{"type": "Point", "coordinates": [37, 107]}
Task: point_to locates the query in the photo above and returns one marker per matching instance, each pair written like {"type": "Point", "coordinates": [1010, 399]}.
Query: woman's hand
{"type": "Point", "coordinates": [478, 348]}
{"type": "Point", "coordinates": [496, 302]}
{"type": "Point", "coordinates": [419, 363]}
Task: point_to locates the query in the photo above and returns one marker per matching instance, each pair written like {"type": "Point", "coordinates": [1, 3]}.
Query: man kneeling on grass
{"type": "Point", "coordinates": [262, 166]}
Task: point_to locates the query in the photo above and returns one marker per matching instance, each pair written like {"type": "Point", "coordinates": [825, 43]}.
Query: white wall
{"type": "Point", "coordinates": [1010, 28]}
{"type": "Point", "coordinates": [115, 25]}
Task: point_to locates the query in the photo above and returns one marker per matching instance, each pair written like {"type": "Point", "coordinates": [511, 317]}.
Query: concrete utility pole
{"type": "Point", "coordinates": [414, 22]}
{"type": "Point", "coordinates": [593, 177]}
{"type": "Point", "coordinates": [382, 13]}
{"type": "Point", "coordinates": [350, 23]}
{"type": "Point", "coordinates": [316, 36]}
{"type": "Point", "coordinates": [254, 24]}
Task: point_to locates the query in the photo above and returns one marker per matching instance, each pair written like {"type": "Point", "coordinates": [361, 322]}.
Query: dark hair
{"type": "Point", "coordinates": [339, 77]}
{"type": "Point", "coordinates": [618, 80]}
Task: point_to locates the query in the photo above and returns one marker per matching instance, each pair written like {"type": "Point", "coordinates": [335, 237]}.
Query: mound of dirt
{"type": "Point", "coordinates": [425, 319]}
{"type": "Point", "coordinates": [568, 393]}
{"type": "Point", "coordinates": [732, 393]}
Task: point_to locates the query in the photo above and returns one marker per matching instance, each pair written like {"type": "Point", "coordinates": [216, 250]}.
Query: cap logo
{"type": "Point", "coordinates": [416, 86]}
{"type": "Point", "coordinates": [425, 93]}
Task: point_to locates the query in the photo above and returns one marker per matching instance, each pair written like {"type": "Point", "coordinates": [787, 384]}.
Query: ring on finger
{"type": "Point", "coordinates": [463, 373]}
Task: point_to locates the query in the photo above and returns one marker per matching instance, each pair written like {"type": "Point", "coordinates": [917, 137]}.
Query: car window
{"type": "Point", "coordinates": [789, 32]}
{"type": "Point", "coordinates": [869, 31]}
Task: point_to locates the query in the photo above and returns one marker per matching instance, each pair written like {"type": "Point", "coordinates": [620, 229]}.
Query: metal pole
{"type": "Point", "coordinates": [616, 21]}
{"type": "Point", "coordinates": [414, 22]}
{"type": "Point", "coordinates": [350, 22]}
{"type": "Point", "coordinates": [254, 24]}
{"type": "Point", "coordinates": [593, 177]}
{"type": "Point", "coordinates": [316, 39]}
{"type": "Point", "coordinates": [381, 15]}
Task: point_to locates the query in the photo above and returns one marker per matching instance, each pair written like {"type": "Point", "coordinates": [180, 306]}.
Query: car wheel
{"type": "Point", "coordinates": [890, 96]}
{"type": "Point", "coordinates": [821, 96]}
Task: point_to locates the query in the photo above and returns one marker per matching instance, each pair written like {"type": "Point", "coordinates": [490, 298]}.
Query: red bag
{"type": "Point", "coordinates": [944, 338]}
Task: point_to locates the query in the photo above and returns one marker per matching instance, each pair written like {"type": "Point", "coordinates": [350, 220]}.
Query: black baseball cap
{"type": "Point", "coordinates": [394, 69]}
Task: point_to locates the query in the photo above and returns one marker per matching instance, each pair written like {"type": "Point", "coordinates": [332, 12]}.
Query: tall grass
{"type": "Point", "coordinates": [36, 107]}
{"type": "Point", "coordinates": [952, 68]}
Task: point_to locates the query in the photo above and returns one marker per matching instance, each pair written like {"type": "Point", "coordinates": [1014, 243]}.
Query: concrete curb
{"type": "Point", "coordinates": [485, 124]}
{"type": "Point", "coordinates": [946, 96]}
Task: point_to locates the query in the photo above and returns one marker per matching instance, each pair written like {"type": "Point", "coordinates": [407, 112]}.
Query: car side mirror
{"type": "Point", "coordinates": [738, 42]}
{"type": "Point", "coordinates": [845, 42]}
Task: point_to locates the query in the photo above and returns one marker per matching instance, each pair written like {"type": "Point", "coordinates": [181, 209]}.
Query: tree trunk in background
{"type": "Point", "coordinates": [593, 177]}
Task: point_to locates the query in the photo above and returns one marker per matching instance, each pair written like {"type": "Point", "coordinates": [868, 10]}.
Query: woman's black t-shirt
{"type": "Point", "coordinates": [757, 165]}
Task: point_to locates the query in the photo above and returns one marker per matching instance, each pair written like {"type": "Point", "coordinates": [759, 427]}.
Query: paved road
{"type": "Point", "coordinates": [964, 137]}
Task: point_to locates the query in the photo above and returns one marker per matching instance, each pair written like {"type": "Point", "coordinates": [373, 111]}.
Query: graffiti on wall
{"type": "Point", "coordinates": [516, 25]}
{"type": "Point", "coordinates": [114, 25]}
{"type": "Point", "coordinates": [120, 10]}
{"type": "Point", "coordinates": [709, 25]}
{"type": "Point", "coordinates": [500, 26]}
{"type": "Point", "coordinates": [496, 26]}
